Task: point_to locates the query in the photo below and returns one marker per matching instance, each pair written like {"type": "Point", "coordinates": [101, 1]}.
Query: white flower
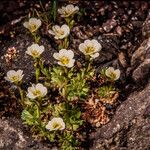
{"type": "Point", "coordinates": [56, 124]}
{"type": "Point", "coordinates": [35, 50]}
{"type": "Point", "coordinates": [65, 58]}
{"type": "Point", "coordinates": [68, 10]}
{"type": "Point", "coordinates": [90, 47]}
{"type": "Point", "coordinates": [60, 32]}
{"type": "Point", "coordinates": [33, 24]}
{"type": "Point", "coordinates": [37, 90]}
{"type": "Point", "coordinates": [14, 76]}
{"type": "Point", "coordinates": [112, 73]}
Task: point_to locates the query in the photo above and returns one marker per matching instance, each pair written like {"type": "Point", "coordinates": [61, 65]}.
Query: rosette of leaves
{"type": "Point", "coordinates": [108, 94]}
{"type": "Point", "coordinates": [77, 88]}
{"type": "Point", "coordinates": [30, 116]}
{"type": "Point", "coordinates": [71, 85]}
{"type": "Point", "coordinates": [46, 71]}
{"type": "Point", "coordinates": [72, 115]}
{"type": "Point", "coordinates": [59, 77]}
{"type": "Point", "coordinates": [68, 140]}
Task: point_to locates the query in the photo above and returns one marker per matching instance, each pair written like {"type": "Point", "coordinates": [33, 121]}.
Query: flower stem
{"type": "Point", "coordinates": [38, 110]}
{"type": "Point", "coordinates": [37, 70]}
{"type": "Point", "coordinates": [70, 22]}
{"type": "Point", "coordinates": [66, 43]}
{"type": "Point", "coordinates": [64, 87]}
{"type": "Point", "coordinates": [36, 37]}
{"type": "Point", "coordinates": [21, 95]}
{"type": "Point", "coordinates": [88, 66]}
{"type": "Point", "coordinates": [37, 74]}
{"type": "Point", "coordinates": [37, 103]}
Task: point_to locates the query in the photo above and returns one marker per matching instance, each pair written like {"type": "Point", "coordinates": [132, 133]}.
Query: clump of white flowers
{"type": "Point", "coordinates": [112, 73]}
{"type": "Point", "coordinates": [55, 124]}
{"type": "Point", "coordinates": [33, 24]}
{"type": "Point", "coordinates": [90, 48]}
{"type": "Point", "coordinates": [36, 91]}
{"type": "Point", "coordinates": [35, 50]}
{"type": "Point", "coordinates": [68, 11]}
{"type": "Point", "coordinates": [14, 76]}
{"type": "Point", "coordinates": [68, 84]}
{"type": "Point", "coordinates": [65, 58]}
{"type": "Point", "coordinates": [60, 32]}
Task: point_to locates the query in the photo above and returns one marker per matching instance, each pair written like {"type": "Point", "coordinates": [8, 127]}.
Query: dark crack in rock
{"type": "Point", "coordinates": [140, 62]}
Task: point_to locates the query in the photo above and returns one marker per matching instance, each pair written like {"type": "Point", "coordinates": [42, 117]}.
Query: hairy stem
{"type": "Point", "coordinates": [38, 109]}
{"type": "Point", "coordinates": [88, 66]}
{"type": "Point", "coordinates": [21, 95]}
{"type": "Point", "coordinates": [37, 70]}
{"type": "Point", "coordinates": [36, 37]}
{"type": "Point", "coordinates": [64, 87]}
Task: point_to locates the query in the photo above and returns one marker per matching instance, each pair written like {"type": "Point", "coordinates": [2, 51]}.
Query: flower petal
{"type": "Point", "coordinates": [62, 52]}
{"type": "Point", "coordinates": [56, 56]}
{"type": "Point", "coordinates": [59, 63]}
{"type": "Point", "coordinates": [65, 28]}
{"type": "Point", "coordinates": [51, 32]}
{"type": "Point", "coordinates": [26, 25]}
{"type": "Point", "coordinates": [70, 54]}
{"type": "Point", "coordinates": [71, 63]}
{"type": "Point", "coordinates": [117, 72]}
{"type": "Point", "coordinates": [95, 55]}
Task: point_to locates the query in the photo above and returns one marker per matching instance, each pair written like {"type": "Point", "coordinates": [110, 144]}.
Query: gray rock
{"type": "Point", "coordinates": [141, 54]}
{"type": "Point", "coordinates": [130, 127]}
{"type": "Point", "coordinates": [13, 136]}
{"type": "Point", "coordinates": [146, 27]}
{"type": "Point", "coordinates": [140, 60]}
{"type": "Point", "coordinates": [141, 73]}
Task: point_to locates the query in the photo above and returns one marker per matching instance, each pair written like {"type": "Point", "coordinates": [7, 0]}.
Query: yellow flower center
{"type": "Point", "coordinates": [89, 49]}
{"type": "Point", "coordinates": [37, 92]}
{"type": "Point", "coordinates": [68, 12]}
{"type": "Point", "coordinates": [64, 60]}
{"type": "Point", "coordinates": [14, 78]}
{"type": "Point", "coordinates": [35, 53]}
{"type": "Point", "coordinates": [60, 32]}
{"type": "Point", "coordinates": [112, 75]}
{"type": "Point", "coordinates": [56, 126]}
{"type": "Point", "coordinates": [33, 27]}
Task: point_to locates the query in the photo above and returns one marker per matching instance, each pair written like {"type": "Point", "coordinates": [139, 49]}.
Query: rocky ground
{"type": "Point", "coordinates": [123, 29]}
{"type": "Point", "coordinates": [129, 128]}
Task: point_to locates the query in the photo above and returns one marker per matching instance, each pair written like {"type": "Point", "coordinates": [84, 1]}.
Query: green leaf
{"type": "Point", "coordinates": [106, 91]}
{"type": "Point", "coordinates": [78, 114]}
{"type": "Point", "coordinates": [54, 10]}
{"type": "Point", "coordinates": [75, 127]}
{"type": "Point", "coordinates": [27, 117]}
